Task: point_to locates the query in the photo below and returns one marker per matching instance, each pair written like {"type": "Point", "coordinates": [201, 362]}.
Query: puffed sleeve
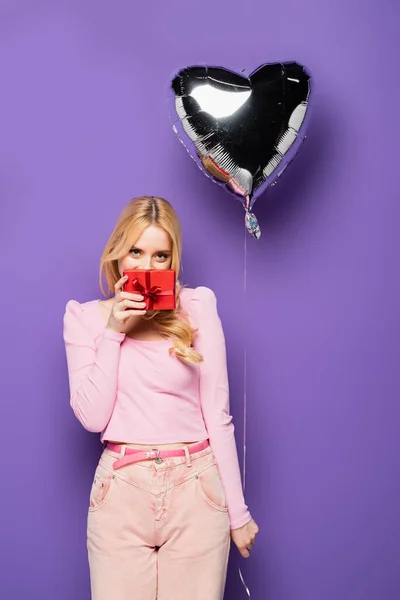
{"type": "Point", "coordinates": [214, 396]}
{"type": "Point", "coordinates": [93, 373]}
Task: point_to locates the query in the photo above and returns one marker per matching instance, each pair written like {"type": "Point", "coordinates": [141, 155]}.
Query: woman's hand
{"type": "Point", "coordinates": [244, 537]}
{"type": "Point", "coordinates": [125, 306]}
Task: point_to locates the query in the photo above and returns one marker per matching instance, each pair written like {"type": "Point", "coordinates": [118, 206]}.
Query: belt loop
{"type": "Point", "coordinates": [123, 449]}
{"type": "Point", "coordinates": [187, 454]}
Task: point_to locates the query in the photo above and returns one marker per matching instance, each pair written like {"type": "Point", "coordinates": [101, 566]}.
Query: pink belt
{"type": "Point", "coordinates": [133, 455]}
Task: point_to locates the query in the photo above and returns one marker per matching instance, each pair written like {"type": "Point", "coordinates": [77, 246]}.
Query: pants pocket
{"type": "Point", "coordinates": [211, 488]}
{"type": "Point", "coordinates": [101, 490]}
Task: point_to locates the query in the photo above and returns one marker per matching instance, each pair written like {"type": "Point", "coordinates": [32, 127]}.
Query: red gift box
{"type": "Point", "coordinates": [156, 285]}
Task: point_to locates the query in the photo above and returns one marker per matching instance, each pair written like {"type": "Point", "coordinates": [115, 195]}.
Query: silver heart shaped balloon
{"type": "Point", "coordinates": [242, 131]}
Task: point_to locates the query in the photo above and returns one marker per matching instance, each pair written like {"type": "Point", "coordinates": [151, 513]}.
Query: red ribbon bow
{"type": "Point", "coordinates": [149, 292]}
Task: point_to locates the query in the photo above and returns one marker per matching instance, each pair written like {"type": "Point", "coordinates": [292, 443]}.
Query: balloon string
{"type": "Point", "coordinates": [245, 389]}
{"type": "Point", "coordinates": [245, 365]}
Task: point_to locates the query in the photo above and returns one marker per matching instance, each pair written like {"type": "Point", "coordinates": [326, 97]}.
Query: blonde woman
{"type": "Point", "coordinates": [166, 497]}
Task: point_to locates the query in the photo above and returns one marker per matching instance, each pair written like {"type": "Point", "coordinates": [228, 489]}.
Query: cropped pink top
{"type": "Point", "coordinates": [134, 391]}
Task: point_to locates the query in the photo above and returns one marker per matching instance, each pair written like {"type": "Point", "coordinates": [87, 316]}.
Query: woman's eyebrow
{"type": "Point", "coordinates": [157, 251]}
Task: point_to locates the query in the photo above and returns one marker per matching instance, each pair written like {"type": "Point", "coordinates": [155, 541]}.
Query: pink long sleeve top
{"type": "Point", "coordinates": [134, 391]}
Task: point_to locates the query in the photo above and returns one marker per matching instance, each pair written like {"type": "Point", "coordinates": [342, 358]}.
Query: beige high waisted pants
{"type": "Point", "coordinates": [158, 530]}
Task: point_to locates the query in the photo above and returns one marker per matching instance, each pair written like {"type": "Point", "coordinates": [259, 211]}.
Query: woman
{"type": "Point", "coordinates": [166, 497]}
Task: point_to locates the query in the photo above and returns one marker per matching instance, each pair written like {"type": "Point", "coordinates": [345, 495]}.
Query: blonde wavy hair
{"type": "Point", "coordinates": [137, 215]}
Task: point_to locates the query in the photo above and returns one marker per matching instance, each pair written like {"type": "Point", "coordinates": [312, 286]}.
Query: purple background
{"type": "Point", "coordinates": [84, 128]}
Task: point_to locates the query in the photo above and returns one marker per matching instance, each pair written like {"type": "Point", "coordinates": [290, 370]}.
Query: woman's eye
{"type": "Point", "coordinates": [159, 256]}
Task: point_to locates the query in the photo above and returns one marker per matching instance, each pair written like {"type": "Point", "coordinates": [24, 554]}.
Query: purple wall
{"type": "Point", "coordinates": [84, 128]}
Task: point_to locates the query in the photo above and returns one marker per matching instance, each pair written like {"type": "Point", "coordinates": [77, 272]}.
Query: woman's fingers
{"type": "Point", "coordinates": [127, 304]}
{"type": "Point", "coordinates": [120, 284]}
{"type": "Point", "coordinates": [123, 315]}
{"type": "Point", "coordinates": [129, 296]}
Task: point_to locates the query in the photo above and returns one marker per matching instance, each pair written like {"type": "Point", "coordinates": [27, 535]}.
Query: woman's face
{"type": "Point", "coordinates": [153, 250]}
